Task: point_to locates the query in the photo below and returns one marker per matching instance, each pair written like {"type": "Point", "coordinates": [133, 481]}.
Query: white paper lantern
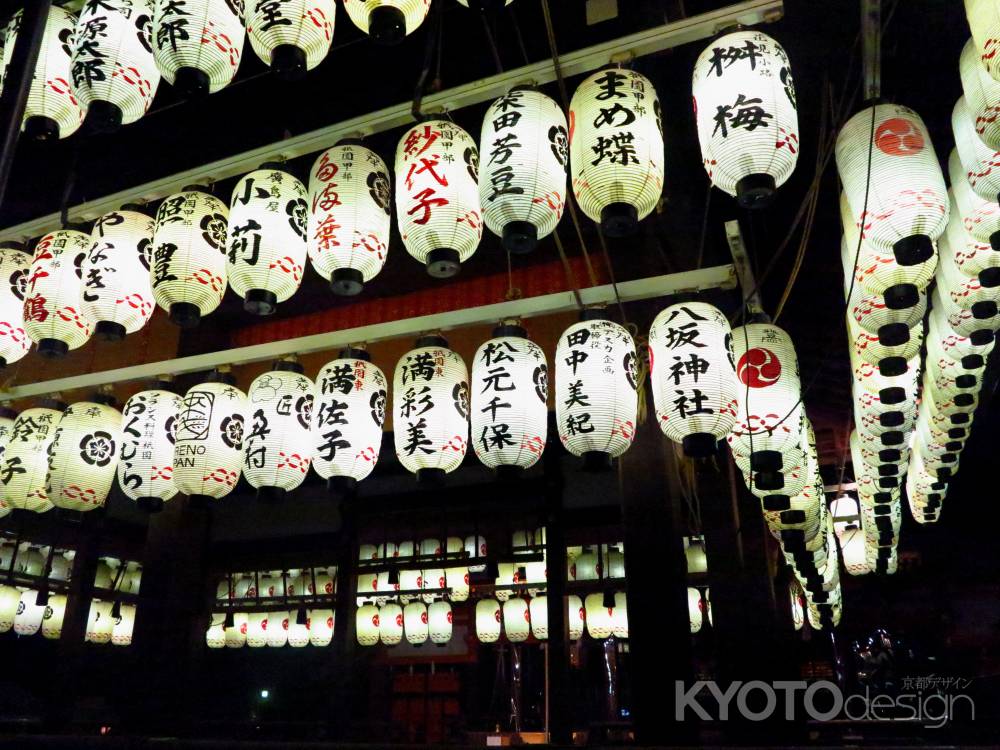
{"type": "Point", "coordinates": [694, 609]}
{"type": "Point", "coordinates": [980, 163]}
{"type": "Point", "coordinates": [145, 471]}
{"type": "Point", "coordinates": [907, 205]}
{"type": "Point", "coordinates": [117, 290]}
{"type": "Point", "coordinates": [619, 617]}
{"type": "Point", "coordinates": [29, 615]}
{"type": "Point", "coordinates": [984, 22]}
{"type": "Point", "coordinates": [596, 399]}
{"type": "Point", "coordinates": [415, 625]}
{"type": "Point", "coordinates": [525, 151]}
{"type": "Point", "coordinates": [889, 353]}
{"type": "Point", "coordinates": [366, 623]}
{"type": "Point", "coordinates": [430, 393]}
{"type": "Point", "coordinates": [197, 44]}
{"type": "Point", "coordinates": [298, 634]}
{"type": "Point", "coordinates": [320, 627]}
{"type": "Point", "coordinates": [114, 74]}
{"type": "Point", "coordinates": [575, 617]}
{"type": "Point", "coordinates": [215, 635]}
{"type": "Point", "coordinates": [387, 21]}
{"type": "Point", "coordinates": [52, 110]}
{"type": "Point", "coordinates": [616, 149]}
{"type": "Point", "coordinates": [695, 391]}
{"type": "Point", "coordinates": [599, 617]}
{"type": "Point", "coordinates": [291, 37]}
{"type": "Point", "coordinates": [439, 622]}
{"type": "Point", "coordinates": [55, 614]}
{"type": "Point", "coordinates": [83, 456]}
{"type": "Point", "coordinates": [980, 216]}
{"type": "Point", "coordinates": [744, 105]}
{"type": "Point", "coordinates": [53, 317]}
{"type": "Point", "coordinates": [236, 634]}
{"type": "Point", "coordinates": [189, 255]}
{"type": "Point", "coordinates": [389, 621]}
{"type": "Point", "coordinates": [437, 195]}
{"type": "Point", "coordinates": [982, 93]}
{"type": "Point", "coordinates": [538, 615]}
{"type": "Point", "coordinates": [10, 598]}
{"type": "Point", "coordinates": [960, 289]}
{"type": "Point", "coordinates": [488, 620]}
{"type": "Point", "coordinates": [350, 402]}
{"type": "Point", "coordinates": [350, 195]}
{"type": "Point", "coordinates": [509, 391]}
{"type": "Point", "coordinates": [100, 623]}
{"type": "Point", "coordinates": [121, 632]}
{"type": "Point", "coordinates": [277, 445]}
{"type": "Point", "coordinates": [15, 265]}
{"type": "Point", "coordinates": [208, 448]}
{"type": "Point", "coordinates": [266, 238]}
{"type": "Point", "coordinates": [277, 629]}
{"type": "Point", "coordinates": [516, 620]}
{"type": "Point", "coordinates": [257, 629]}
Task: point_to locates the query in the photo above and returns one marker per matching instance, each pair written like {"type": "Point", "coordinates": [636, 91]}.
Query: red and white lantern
{"type": "Point", "coordinates": [53, 316]}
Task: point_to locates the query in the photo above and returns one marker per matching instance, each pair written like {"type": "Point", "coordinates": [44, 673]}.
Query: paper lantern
{"type": "Point", "coordinates": [890, 357]}
{"type": "Point", "coordinates": [984, 22]}
{"type": "Point", "coordinates": [145, 471]}
{"type": "Point", "coordinates": [415, 625]}
{"type": "Point", "coordinates": [599, 617]}
{"type": "Point", "coordinates": [439, 622]}
{"type": "Point", "coordinates": [10, 598]}
{"type": "Point", "coordinates": [15, 264]}
{"type": "Point", "coordinates": [616, 149]}
{"type": "Point", "coordinates": [215, 635]}
{"type": "Point", "coordinates": [277, 629]}
{"type": "Point", "coordinates": [197, 44]}
{"type": "Point", "coordinates": [538, 615]}
{"type": "Point", "coordinates": [432, 578]}
{"type": "Point", "coordinates": [208, 448]}
{"type": "Point", "coordinates": [516, 620]}
{"type": "Point", "coordinates": [320, 627]}
{"type": "Point", "coordinates": [350, 402]}
{"type": "Point", "coordinates": [52, 314]}
{"type": "Point", "coordinates": [100, 622]}
{"type": "Point", "coordinates": [277, 446]}
{"type": "Point", "coordinates": [488, 620]}
{"type": "Point", "coordinates": [980, 216]}
{"type": "Point", "coordinates": [525, 151]}
{"type": "Point", "coordinates": [769, 421]}
{"type": "Point", "coordinates": [189, 255]}
{"type": "Point", "coordinates": [694, 609]}
{"type": "Point", "coordinates": [266, 237]}
{"type": "Point", "coordinates": [52, 110]}
{"type": "Point", "coordinates": [114, 76]}
{"type": "Point", "coordinates": [430, 393]}
{"type": "Point", "coordinates": [695, 391]}
{"type": "Point", "coordinates": [694, 553]}
{"type": "Point", "coordinates": [298, 633]}
{"type": "Point", "coordinates": [982, 93]}
{"type": "Point", "coordinates": [907, 204]}
{"type": "Point", "coordinates": [437, 195]}
{"type": "Point", "coordinates": [83, 456]}
{"type": "Point", "coordinates": [596, 400]}
{"type": "Point", "coordinates": [389, 622]}
{"type": "Point", "coordinates": [509, 391]}
{"type": "Point", "coordinates": [476, 547]}
{"type": "Point", "coordinates": [29, 615]}
{"type": "Point", "coordinates": [291, 37]}
{"type": "Point", "coordinates": [236, 634]}
{"type": "Point", "coordinates": [744, 106]}
{"type": "Point", "coordinates": [387, 21]}
{"type": "Point", "coordinates": [980, 163]}
{"type": "Point", "coordinates": [964, 291]}
{"type": "Point", "coordinates": [257, 629]}
{"type": "Point", "coordinates": [55, 614]}
{"type": "Point", "coordinates": [121, 631]}
{"type": "Point", "coordinates": [350, 196]}
{"type": "Point", "coordinates": [619, 617]}
{"type": "Point", "coordinates": [575, 617]}
{"type": "Point", "coordinates": [366, 623]}
{"type": "Point", "coordinates": [852, 547]}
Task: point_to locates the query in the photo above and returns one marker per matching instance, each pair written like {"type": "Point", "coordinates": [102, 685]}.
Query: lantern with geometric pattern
{"type": "Point", "coordinates": [83, 456]}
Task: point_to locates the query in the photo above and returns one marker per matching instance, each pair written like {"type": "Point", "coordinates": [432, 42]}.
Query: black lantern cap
{"type": "Point", "coordinates": [353, 352]}
{"type": "Point", "coordinates": [287, 365]}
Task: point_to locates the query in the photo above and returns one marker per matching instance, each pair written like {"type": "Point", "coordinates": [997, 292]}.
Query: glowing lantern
{"type": "Point", "coordinates": [744, 105]}
{"type": "Point", "coordinates": [114, 75]}
{"type": "Point", "coordinates": [516, 620]}
{"type": "Point", "coordinates": [984, 22]}
{"type": "Point", "coordinates": [257, 629]}
{"type": "Point", "coordinates": [320, 627]}
{"type": "Point", "coordinates": [10, 597]}
{"type": "Point", "coordinates": [980, 216]}
{"type": "Point", "coordinates": [415, 623]}
{"type": "Point", "coordinates": [619, 616]}
{"type": "Point", "coordinates": [616, 149]}
{"type": "Point", "coordinates": [522, 186]}
{"type": "Point", "coordinates": [457, 579]}
{"type": "Point", "coordinates": [430, 393]}
{"type": "Point", "coordinates": [476, 548]}
{"type": "Point", "coordinates": [366, 622]}
{"type": "Point", "coordinates": [695, 391]}
{"type": "Point", "coordinates": [52, 314]}
{"type": "Point", "coordinates": [277, 629]}
{"type": "Point", "coordinates": [189, 255]}
{"type": "Point", "coordinates": [439, 622]}
{"type": "Point", "coordinates": [869, 311]}
{"type": "Point", "coordinates": [907, 203]}
{"type": "Point", "coordinates": [410, 580]}
{"type": "Point", "coordinates": [83, 456]}
{"type": "Point", "coordinates": [349, 216]}
{"type": "Point", "coordinates": [266, 238]}
{"type": "Point", "coordinates": [695, 616]}
{"type": "Point", "coordinates": [509, 390]}
{"type": "Point", "coordinates": [100, 622]}
{"type": "Point", "coordinates": [387, 21]}
{"type": "Point", "coordinates": [488, 620]}
{"type": "Point", "coordinates": [350, 401]}
{"type": "Point", "coordinates": [576, 617]}
{"type": "Point", "coordinates": [852, 548]}
{"type": "Point", "coordinates": [769, 422]}
{"type": "Point", "coordinates": [963, 291]}
{"type": "Point", "coordinates": [390, 622]}
{"type": "Point", "coordinates": [798, 605]}
{"type": "Point", "coordinates": [215, 635]}
{"type": "Point", "coordinates": [596, 400]}
{"type": "Point", "coordinates": [587, 567]}
{"type": "Point", "coordinates": [208, 448]}
{"type": "Point", "coordinates": [437, 195]}
{"type": "Point", "coordinates": [972, 257]}
{"type": "Point", "coordinates": [121, 631]}
{"type": "Point", "coordinates": [277, 446]}
{"type": "Point", "coordinates": [889, 357]}
{"type": "Point", "coordinates": [599, 617]}
{"type": "Point", "coordinates": [538, 615]}
{"type": "Point", "coordinates": [15, 263]}
{"type": "Point", "coordinates": [236, 634]}
{"type": "Point", "coordinates": [291, 37]}
{"type": "Point", "coordinates": [298, 633]}
{"type": "Point", "coordinates": [198, 43]}
{"type": "Point", "coordinates": [55, 614]}
{"type": "Point", "coordinates": [979, 162]}
{"type": "Point", "coordinates": [145, 471]}
{"type": "Point", "coordinates": [29, 615]}
{"type": "Point", "coordinates": [982, 93]}
{"type": "Point", "coordinates": [970, 350]}
{"type": "Point", "coordinates": [52, 109]}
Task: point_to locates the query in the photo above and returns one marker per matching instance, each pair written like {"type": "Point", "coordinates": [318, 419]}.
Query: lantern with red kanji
{"type": "Point", "coordinates": [53, 316]}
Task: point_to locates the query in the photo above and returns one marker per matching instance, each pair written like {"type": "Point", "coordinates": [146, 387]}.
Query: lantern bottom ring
{"type": "Point", "coordinates": [260, 302]}
{"type": "Point", "coordinates": [596, 461]}
{"type": "Point", "coordinates": [289, 62]}
{"type": "Point", "coordinates": [983, 309]}
{"type": "Point", "coordinates": [891, 367]}
{"type": "Point", "coordinates": [199, 502]}
{"type": "Point", "coordinates": [185, 314]}
{"type": "Point", "coordinates": [191, 83]}
{"type": "Point", "coordinates": [966, 381]}
{"type": "Point", "coordinates": [39, 128]}
{"type": "Point", "coordinates": [912, 250]}
{"type": "Point", "coordinates": [766, 461]}
{"type": "Point", "coordinates": [387, 25]}
{"type": "Point", "coordinates": [150, 504]}
{"type": "Point", "coordinates": [982, 337]}
{"type": "Point", "coordinates": [443, 262]}
{"type": "Point", "coordinates": [619, 219]}
{"type": "Point", "coordinates": [699, 445]}
{"type": "Point", "coordinates": [755, 190]}
{"type": "Point", "coordinates": [901, 296]}
{"type": "Point", "coordinates": [341, 485]}
{"type": "Point", "coordinates": [892, 395]}
{"type": "Point", "coordinates": [893, 334]}
{"type": "Point", "coordinates": [431, 477]}
{"type": "Point", "coordinates": [989, 277]}
{"type": "Point", "coordinates": [347, 282]}
{"type": "Point", "coordinates": [110, 331]}
{"type": "Point", "coordinates": [769, 480]}
{"type": "Point", "coordinates": [53, 348]}
{"type": "Point", "coordinates": [520, 237]}
{"type": "Point", "coordinates": [271, 495]}
{"type": "Point", "coordinates": [102, 117]}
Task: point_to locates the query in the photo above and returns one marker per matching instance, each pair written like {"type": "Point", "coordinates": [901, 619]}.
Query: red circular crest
{"type": "Point", "coordinates": [899, 137]}
{"type": "Point", "coordinates": [759, 368]}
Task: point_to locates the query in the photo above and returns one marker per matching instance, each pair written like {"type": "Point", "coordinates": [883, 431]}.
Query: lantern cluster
{"type": "Point", "coordinates": [400, 571]}
{"type": "Point", "coordinates": [21, 608]}
{"type": "Point", "coordinates": [744, 105]}
{"type": "Point", "coordinates": [880, 513]}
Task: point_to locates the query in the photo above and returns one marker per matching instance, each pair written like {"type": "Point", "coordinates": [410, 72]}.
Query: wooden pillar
{"type": "Point", "coordinates": [344, 645]}
{"type": "Point", "coordinates": [560, 730]}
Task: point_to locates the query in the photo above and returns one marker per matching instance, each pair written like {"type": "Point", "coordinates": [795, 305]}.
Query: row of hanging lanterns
{"type": "Point", "coordinates": [416, 621]}
{"type": "Point", "coordinates": [275, 629]}
{"type": "Point", "coordinates": [23, 609]}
